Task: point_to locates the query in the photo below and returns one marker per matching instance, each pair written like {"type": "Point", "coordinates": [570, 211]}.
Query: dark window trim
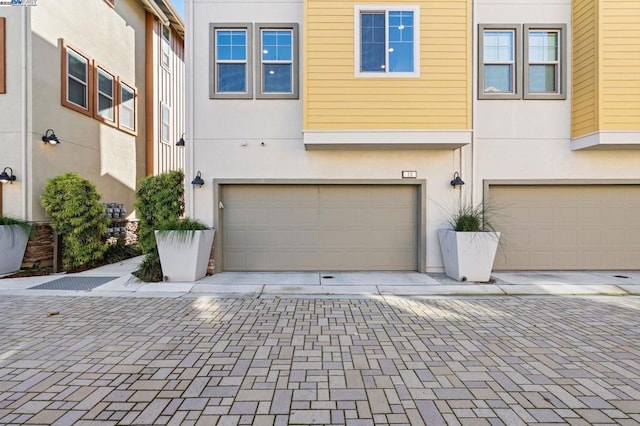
{"type": "Point", "coordinates": [517, 79]}
{"type": "Point", "coordinates": [294, 61]}
{"type": "Point", "coordinates": [213, 94]}
{"type": "Point", "coordinates": [562, 61]}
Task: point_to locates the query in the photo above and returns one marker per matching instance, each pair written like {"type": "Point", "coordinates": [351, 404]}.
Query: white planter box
{"type": "Point", "coordinates": [184, 255]}
{"type": "Point", "coordinates": [13, 243]}
{"type": "Point", "coordinates": [468, 256]}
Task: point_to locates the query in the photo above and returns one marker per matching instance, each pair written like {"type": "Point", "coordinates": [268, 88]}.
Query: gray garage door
{"type": "Point", "coordinates": [567, 226]}
{"type": "Point", "coordinates": [319, 227]}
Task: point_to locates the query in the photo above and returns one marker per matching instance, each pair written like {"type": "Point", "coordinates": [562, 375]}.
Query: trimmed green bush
{"type": "Point", "coordinates": [73, 205]}
{"type": "Point", "coordinates": [159, 199]}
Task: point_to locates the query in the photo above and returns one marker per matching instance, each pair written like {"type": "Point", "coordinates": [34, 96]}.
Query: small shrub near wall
{"type": "Point", "coordinates": [73, 205]}
{"type": "Point", "coordinates": [159, 199]}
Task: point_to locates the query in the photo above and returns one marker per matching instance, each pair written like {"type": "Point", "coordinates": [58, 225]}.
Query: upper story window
{"type": "Point", "coordinates": [278, 61]}
{"type": "Point", "coordinates": [105, 95]}
{"type": "Point", "coordinates": [166, 46]}
{"type": "Point", "coordinates": [387, 41]}
{"type": "Point", "coordinates": [127, 108]}
{"type": "Point", "coordinates": [508, 72]}
{"type": "Point", "coordinates": [544, 76]}
{"type": "Point", "coordinates": [499, 66]}
{"type": "Point", "coordinates": [76, 80]}
{"type": "Point", "coordinates": [231, 66]}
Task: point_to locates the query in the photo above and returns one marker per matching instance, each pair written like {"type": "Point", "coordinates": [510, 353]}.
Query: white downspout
{"type": "Point", "coordinates": [189, 111]}
{"type": "Point", "coordinates": [27, 182]}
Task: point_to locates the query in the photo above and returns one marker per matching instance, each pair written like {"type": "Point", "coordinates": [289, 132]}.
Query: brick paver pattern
{"type": "Point", "coordinates": [283, 361]}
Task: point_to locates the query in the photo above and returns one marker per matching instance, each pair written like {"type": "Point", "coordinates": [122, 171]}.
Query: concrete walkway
{"type": "Point", "coordinates": [363, 284]}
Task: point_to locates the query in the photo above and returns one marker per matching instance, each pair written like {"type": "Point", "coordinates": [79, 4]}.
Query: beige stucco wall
{"type": "Point", "coordinates": [226, 136]}
{"type": "Point", "coordinates": [110, 158]}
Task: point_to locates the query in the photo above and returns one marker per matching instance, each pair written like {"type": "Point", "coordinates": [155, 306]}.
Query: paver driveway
{"type": "Point", "coordinates": [500, 360]}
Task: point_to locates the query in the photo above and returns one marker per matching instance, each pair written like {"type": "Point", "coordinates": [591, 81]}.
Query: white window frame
{"type": "Point", "coordinates": [165, 46]}
{"type": "Point", "coordinates": [88, 83]}
{"type": "Point", "coordinates": [112, 97]}
{"type": "Point", "coordinates": [121, 106]}
{"type": "Point", "coordinates": [358, 10]}
{"type": "Point", "coordinates": [561, 63]}
{"type": "Point", "coordinates": [517, 62]}
{"type": "Point", "coordinates": [294, 93]}
{"type": "Point", "coordinates": [165, 125]}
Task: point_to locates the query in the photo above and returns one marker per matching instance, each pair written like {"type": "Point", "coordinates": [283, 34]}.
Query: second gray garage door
{"type": "Point", "coordinates": [567, 226]}
{"type": "Point", "coordinates": [319, 227]}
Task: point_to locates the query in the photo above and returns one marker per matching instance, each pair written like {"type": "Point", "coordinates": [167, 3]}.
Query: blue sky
{"type": "Point", "coordinates": [179, 5]}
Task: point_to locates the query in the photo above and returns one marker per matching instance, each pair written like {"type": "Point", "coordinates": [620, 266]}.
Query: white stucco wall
{"type": "Point", "coordinates": [226, 136]}
{"type": "Point", "coordinates": [13, 119]}
{"type": "Point", "coordinates": [530, 139]}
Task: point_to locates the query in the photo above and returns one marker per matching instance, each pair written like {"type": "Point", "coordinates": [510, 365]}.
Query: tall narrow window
{"type": "Point", "coordinates": [76, 80]}
{"type": "Point", "coordinates": [231, 68]}
{"type": "Point", "coordinates": [387, 41]}
{"type": "Point", "coordinates": [105, 93]}
{"type": "Point", "coordinates": [127, 110]}
{"type": "Point", "coordinates": [498, 62]}
{"type": "Point", "coordinates": [166, 46]}
{"type": "Point", "coordinates": [278, 60]}
{"type": "Point", "coordinates": [166, 123]}
{"type": "Point", "coordinates": [544, 53]}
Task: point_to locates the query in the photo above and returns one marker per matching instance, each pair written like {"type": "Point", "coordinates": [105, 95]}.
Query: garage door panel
{"type": "Point", "coordinates": [319, 227]}
{"type": "Point", "coordinates": [567, 226]}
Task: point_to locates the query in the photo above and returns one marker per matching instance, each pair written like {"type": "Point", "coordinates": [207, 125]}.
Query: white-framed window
{"type": "Point", "coordinates": [499, 69]}
{"type": "Point", "coordinates": [165, 49]}
{"type": "Point", "coordinates": [230, 73]}
{"type": "Point", "coordinates": [76, 80]}
{"type": "Point", "coordinates": [105, 95]}
{"type": "Point", "coordinates": [165, 131]}
{"type": "Point", "coordinates": [278, 60]}
{"type": "Point", "coordinates": [545, 56]}
{"type": "Point", "coordinates": [387, 41]}
{"type": "Point", "coordinates": [127, 108]}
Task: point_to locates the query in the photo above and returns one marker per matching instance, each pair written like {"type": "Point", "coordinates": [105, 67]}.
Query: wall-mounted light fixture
{"type": "Point", "coordinates": [456, 180]}
{"type": "Point", "coordinates": [181, 141]}
{"type": "Point", "coordinates": [7, 177]}
{"type": "Point", "coordinates": [50, 137]}
{"type": "Point", "coordinates": [197, 181]}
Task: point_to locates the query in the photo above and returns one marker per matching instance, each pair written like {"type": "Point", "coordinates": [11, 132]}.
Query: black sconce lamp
{"type": "Point", "coordinates": [456, 180]}
{"type": "Point", "coordinates": [181, 141]}
{"type": "Point", "coordinates": [197, 181]}
{"type": "Point", "coordinates": [7, 177]}
{"type": "Point", "coordinates": [50, 138]}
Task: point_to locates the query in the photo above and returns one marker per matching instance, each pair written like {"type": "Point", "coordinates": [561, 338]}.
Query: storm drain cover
{"type": "Point", "coordinates": [74, 283]}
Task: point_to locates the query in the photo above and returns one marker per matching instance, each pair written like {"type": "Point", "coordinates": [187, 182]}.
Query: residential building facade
{"type": "Point", "coordinates": [328, 132]}
{"type": "Point", "coordinates": [86, 71]}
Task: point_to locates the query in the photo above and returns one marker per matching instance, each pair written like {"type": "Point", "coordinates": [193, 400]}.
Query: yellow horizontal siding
{"type": "Point", "coordinates": [584, 71]}
{"type": "Point", "coordinates": [334, 99]}
{"type": "Point", "coordinates": [619, 62]}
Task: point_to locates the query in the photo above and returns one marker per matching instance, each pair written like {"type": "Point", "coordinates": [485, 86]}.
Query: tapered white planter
{"type": "Point", "coordinates": [184, 255]}
{"type": "Point", "coordinates": [468, 256]}
{"type": "Point", "coordinates": [13, 242]}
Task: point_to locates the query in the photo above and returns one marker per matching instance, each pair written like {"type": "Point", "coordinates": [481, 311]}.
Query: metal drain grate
{"type": "Point", "coordinates": [74, 283]}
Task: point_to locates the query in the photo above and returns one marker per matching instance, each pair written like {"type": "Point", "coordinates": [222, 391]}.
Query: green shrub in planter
{"type": "Point", "coordinates": [159, 199]}
{"type": "Point", "coordinates": [14, 234]}
{"type": "Point", "coordinates": [74, 208]}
